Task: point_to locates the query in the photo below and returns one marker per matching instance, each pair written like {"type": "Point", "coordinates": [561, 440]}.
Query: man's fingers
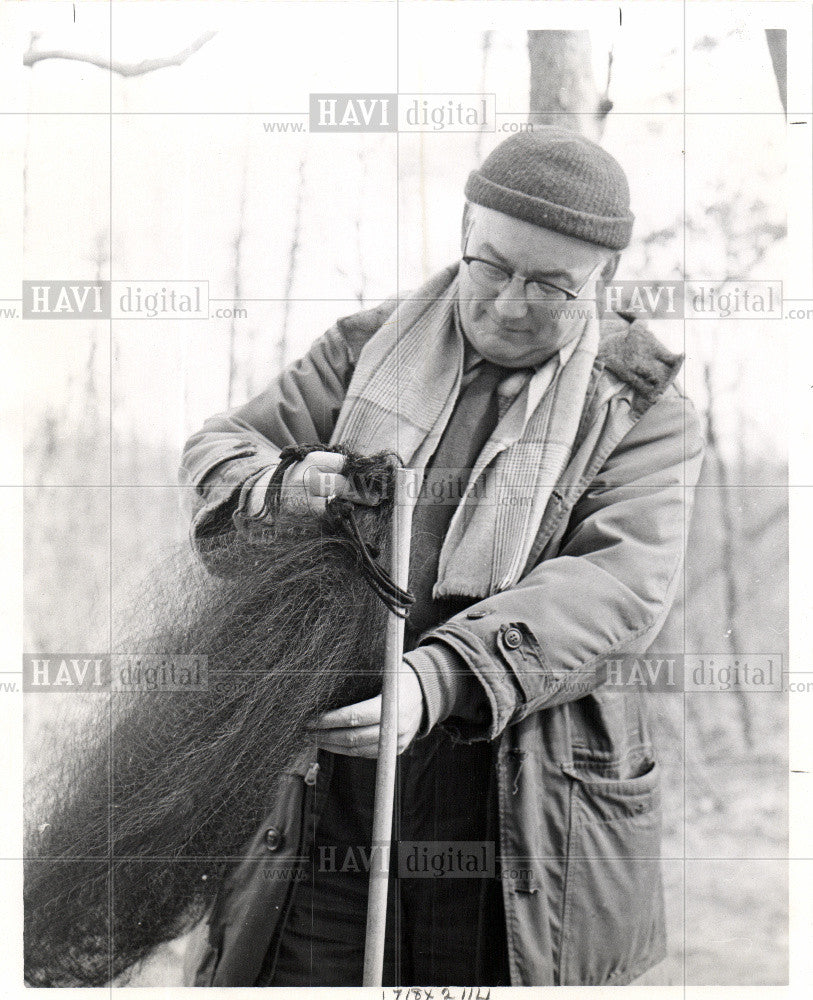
{"type": "Point", "coordinates": [321, 474]}
{"type": "Point", "coordinates": [363, 713]}
{"type": "Point", "coordinates": [315, 480]}
{"type": "Point", "coordinates": [349, 739]}
{"type": "Point", "coordinates": [326, 461]}
{"type": "Point", "coordinates": [324, 482]}
{"type": "Point", "coordinates": [361, 742]}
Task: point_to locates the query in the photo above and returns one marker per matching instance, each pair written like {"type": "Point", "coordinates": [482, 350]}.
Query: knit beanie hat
{"type": "Point", "coordinates": [558, 180]}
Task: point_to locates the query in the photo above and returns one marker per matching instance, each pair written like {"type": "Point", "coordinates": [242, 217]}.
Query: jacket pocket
{"type": "Point", "coordinates": [612, 910]}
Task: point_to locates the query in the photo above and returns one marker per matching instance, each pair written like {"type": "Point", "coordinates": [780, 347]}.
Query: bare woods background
{"type": "Point", "coordinates": [188, 180]}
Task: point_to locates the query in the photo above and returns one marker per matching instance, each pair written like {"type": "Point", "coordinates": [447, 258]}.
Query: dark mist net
{"type": "Point", "coordinates": [160, 791]}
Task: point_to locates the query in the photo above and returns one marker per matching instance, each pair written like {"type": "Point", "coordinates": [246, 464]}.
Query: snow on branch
{"type": "Point", "coordinates": [33, 56]}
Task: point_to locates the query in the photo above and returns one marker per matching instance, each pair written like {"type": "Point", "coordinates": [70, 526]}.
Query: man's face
{"type": "Point", "coordinates": [504, 327]}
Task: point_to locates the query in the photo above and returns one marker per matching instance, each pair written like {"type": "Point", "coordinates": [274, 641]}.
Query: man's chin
{"type": "Point", "coordinates": [491, 343]}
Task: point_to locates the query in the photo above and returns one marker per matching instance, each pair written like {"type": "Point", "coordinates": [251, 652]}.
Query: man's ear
{"type": "Point", "coordinates": [611, 266]}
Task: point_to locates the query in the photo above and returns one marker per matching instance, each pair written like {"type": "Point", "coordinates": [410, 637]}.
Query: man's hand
{"type": "Point", "coordinates": [309, 483]}
{"type": "Point", "coordinates": [354, 730]}
{"type": "Point", "coordinates": [314, 480]}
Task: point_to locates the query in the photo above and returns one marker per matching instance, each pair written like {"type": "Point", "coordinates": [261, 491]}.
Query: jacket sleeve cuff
{"type": "Point", "coordinates": [253, 490]}
{"type": "Point", "coordinates": [450, 690]}
{"type": "Point", "coordinates": [218, 497]}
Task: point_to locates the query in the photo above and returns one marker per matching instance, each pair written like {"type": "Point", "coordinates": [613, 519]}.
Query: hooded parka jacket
{"type": "Point", "coordinates": [578, 779]}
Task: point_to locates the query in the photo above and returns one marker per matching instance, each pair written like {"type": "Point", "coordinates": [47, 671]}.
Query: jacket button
{"type": "Point", "coordinates": [513, 638]}
{"type": "Point", "coordinates": [476, 614]}
{"type": "Point", "coordinates": [273, 838]}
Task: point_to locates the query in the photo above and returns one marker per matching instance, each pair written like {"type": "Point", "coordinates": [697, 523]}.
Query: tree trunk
{"type": "Point", "coordinates": [777, 39]}
{"type": "Point", "coordinates": [563, 89]}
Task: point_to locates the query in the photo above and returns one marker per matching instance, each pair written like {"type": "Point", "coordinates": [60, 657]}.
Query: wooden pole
{"type": "Point", "coordinates": [406, 484]}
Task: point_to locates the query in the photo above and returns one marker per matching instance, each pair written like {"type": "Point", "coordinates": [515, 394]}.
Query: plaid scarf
{"type": "Point", "coordinates": [400, 398]}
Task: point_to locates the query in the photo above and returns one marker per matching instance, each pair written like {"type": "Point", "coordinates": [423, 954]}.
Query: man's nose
{"type": "Point", "coordinates": [511, 302]}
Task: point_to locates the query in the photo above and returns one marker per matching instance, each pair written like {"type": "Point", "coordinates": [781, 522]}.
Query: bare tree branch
{"type": "Point", "coordinates": [293, 261]}
{"type": "Point", "coordinates": [32, 56]}
{"type": "Point", "coordinates": [237, 285]}
{"type": "Point", "coordinates": [361, 291]}
{"type": "Point", "coordinates": [777, 39]}
{"type": "Point", "coordinates": [728, 525]}
{"type": "Point", "coordinates": [486, 49]}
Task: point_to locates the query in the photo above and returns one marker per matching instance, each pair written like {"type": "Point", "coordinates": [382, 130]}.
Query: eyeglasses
{"type": "Point", "coordinates": [494, 279]}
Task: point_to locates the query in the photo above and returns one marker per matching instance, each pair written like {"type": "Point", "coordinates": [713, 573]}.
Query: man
{"type": "Point", "coordinates": [565, 459]}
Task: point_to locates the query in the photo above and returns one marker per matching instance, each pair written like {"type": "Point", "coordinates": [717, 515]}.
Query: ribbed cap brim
{"type": "Point", "coordinates": [613, 232]}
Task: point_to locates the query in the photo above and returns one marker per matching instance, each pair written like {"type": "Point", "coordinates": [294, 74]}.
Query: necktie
{"type": "Point", "coordinates": [470, 425]}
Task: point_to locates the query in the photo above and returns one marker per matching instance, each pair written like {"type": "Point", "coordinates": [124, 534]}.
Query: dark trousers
{"type": "Point", "coordinates": [446, 929]}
